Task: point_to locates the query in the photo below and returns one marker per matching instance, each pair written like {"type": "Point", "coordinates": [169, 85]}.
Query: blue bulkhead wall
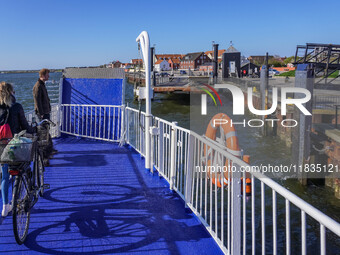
{"type": "Point", "coordinates": [88, 91]}
{"type": "Point", "coordinates": [93, 91]}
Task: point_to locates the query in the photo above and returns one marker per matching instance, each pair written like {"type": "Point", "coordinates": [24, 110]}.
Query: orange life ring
{"type": "Point", "coordinates": [231, 142]}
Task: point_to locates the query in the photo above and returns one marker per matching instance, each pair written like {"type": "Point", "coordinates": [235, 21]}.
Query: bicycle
{"type": "Point", "coordinates": [43, 128]}
{"type": "Point", "coordinates": [28, 184]}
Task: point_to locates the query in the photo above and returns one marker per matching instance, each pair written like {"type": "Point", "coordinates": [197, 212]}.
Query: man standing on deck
{"type": "Point", "coordinates": [42, 107]}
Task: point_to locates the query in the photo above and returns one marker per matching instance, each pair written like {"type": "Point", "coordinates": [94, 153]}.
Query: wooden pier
{"type": "Point", "coordinates": [176, 89]}
{"type": "Point", "coordinates": [172, 84]}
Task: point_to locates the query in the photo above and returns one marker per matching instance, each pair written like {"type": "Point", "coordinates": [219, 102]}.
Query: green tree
{"type": "Point", "coordinates": [289, 60]}
{"type": "Point", "coordinates": [275, 62]}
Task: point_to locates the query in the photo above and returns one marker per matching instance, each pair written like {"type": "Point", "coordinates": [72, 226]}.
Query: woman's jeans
{"type": "Point", "coordinates": [4, 183]}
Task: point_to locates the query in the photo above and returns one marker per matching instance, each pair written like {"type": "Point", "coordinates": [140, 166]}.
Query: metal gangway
{"type": "Point", "coordinates": [324, 57]}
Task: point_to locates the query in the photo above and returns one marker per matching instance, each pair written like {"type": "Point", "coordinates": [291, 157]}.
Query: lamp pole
{"type": "Point", "coordinates": [144, 41]}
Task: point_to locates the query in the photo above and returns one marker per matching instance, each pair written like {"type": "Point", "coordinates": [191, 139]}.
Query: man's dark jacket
{"type": "Point", "coordinates": [16, 118]}
{"type": "Point", "coordinates": [41, 100]}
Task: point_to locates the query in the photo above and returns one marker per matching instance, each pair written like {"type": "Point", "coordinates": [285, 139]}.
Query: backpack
{"type": "Point", "coordinates": [5, 130]}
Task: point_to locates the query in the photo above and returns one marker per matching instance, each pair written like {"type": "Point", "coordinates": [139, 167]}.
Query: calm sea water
{"type": "Point", "coordinates": [177, 108]}
{"type": "Point", "coordinates": [23, 84]}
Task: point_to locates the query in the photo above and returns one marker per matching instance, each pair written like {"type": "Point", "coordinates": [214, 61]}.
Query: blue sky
{"type": "Point", "coordinates": [57, 34]}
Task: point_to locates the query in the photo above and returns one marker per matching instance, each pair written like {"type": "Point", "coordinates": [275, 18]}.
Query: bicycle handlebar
{"type": "Point", "coordinates": [46, 121]}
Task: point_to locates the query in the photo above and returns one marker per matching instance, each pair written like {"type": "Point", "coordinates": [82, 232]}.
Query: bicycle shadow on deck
{"type": "Point", "coordinates": [116, 218]}
{"type": "Point", "coordinates": [127, 223]}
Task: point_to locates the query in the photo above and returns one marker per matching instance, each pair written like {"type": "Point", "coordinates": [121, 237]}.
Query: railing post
{"type": "Point", "coordinates": [122, 124]}
{"type": "Point", "coordinates": [190, 170]}
{"type": "Point", "coordinates": [160, 148]}
{"type": "Point", "coordinates": [173, 154]}
{"type": "Point", "coordinates": [152, 148]}
{"type": "Point", "coordinates": [62, 118]}
{"type": "Point", "coordinates": [236, 211]}
{"type": "Point", "coordinates": [58, 127]}
{"type": "Point", "coordinates": [127, 125]}
{"type": "Point", "coordinates": [59, 115]}
{"type": "Point", "coordinates": [141, 136]}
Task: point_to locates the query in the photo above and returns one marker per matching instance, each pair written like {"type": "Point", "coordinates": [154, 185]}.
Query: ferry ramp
{"type": "Point", "coordinates": [103, 201]}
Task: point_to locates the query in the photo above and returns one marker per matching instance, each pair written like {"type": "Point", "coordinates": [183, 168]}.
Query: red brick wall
{"type": "Point", "coordinates": [334, 159]}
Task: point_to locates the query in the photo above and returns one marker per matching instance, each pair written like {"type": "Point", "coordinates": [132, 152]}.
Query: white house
{"type": "Point", "coordinates": [162, 65]}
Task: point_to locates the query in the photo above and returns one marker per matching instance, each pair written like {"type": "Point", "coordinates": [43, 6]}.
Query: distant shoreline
{"type": "Point", "coordinates": [30, 71]}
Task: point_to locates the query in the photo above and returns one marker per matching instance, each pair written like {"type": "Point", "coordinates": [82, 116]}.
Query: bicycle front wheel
{"type": "Point", "coordinates": [21, 208]}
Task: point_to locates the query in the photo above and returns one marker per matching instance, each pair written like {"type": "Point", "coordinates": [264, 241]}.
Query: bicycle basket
{"type": "Point", "coordinates": [19, 149]}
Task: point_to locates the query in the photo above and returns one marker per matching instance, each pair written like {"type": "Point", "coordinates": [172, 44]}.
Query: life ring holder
{"type": "Point", "coordinates": [228, 141]}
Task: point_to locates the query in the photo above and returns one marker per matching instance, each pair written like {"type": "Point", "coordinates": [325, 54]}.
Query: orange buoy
{"type": "Point", "coordinates": [228, 133]}
{"type": "Point", "coordinates": [248, 187]}
{"type": "Point", "coordinates": [246, 158]}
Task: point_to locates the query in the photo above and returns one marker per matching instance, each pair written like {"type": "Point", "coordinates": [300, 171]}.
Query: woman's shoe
{"type": "Point", "coordinates": [6, 209]}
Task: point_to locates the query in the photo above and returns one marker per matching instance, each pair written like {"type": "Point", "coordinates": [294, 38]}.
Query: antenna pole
{"type": "Point", "coordinates": [215, 72]}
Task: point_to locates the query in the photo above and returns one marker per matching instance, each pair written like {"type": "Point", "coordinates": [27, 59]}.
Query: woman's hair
{"type": "Point", "coordinates": [6, 90]}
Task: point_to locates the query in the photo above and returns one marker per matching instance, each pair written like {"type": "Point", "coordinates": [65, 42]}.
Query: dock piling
{"type": "Point", "coordinates": [304, 78]}
{"type": "Point", "coordinates": [264, 93]}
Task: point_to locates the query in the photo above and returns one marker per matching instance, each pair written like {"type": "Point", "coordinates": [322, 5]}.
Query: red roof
{"type": "Point", "coordinates": [175, 60]}
{"type": "Point", "coordinates": [136, 61]}
{"type": "Point", "coordinates": [220, 52]}
{"type": "Point", "coordinates": [168, 56]}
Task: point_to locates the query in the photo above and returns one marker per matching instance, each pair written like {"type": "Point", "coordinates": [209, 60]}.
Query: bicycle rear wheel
{"type": "Point", "coordinates": [41, 169]}
{"type": "Point", "coordinates": [39, 164]}
{"type": "Point", "coordinates": [21, 208]}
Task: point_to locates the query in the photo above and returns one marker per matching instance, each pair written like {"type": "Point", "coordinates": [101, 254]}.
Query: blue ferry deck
{"type": "Point", "coordinates": [103, 201]}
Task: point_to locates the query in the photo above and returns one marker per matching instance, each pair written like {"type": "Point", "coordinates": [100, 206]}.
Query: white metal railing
{"type": "Point", "coordinates": [134, 129]}
{"type": "Point", "coordinates": [171, 140]}
{"type": "Point", "coordinates": [162, 79]}
{"type": "Point", "coordinates": [229, 217]}
{"type": "Point", "coordinates": [102, 122]}
{"type": "Point", "coordinates": [238, 223]}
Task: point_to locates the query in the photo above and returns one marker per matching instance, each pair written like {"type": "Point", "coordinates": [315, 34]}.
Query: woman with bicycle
{"type": "Point", "coordinates": [12, 115]}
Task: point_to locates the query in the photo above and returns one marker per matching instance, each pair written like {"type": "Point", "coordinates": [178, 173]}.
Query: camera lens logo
{"type": "Point", "coordinates": [204, 98]}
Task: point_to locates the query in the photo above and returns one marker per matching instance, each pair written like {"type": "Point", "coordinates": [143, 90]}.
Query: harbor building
{"type": "Point", "coordinates": [194, 60]}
